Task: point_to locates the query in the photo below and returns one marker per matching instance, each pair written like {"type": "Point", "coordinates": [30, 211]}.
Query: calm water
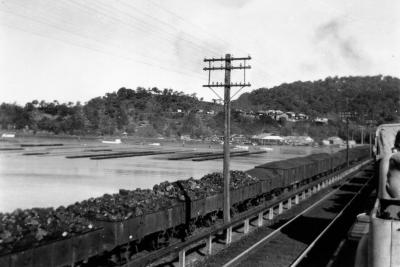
{"type": "Point", "coordinates": [53, 180]}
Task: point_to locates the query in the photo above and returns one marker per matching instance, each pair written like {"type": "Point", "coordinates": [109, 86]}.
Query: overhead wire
{"type": "Point", "coordinates": [107, 9]}
{"type": "Point", "coordinates": [114, 14]}
{"type": "Point", "coordinates": [172, 26]}
{"type": "Point", "coordinates": [98, 50]}
{"type": "Point", "coordinates": [104, 11]}
{"type": "Point", "coordinates": [80, 35]}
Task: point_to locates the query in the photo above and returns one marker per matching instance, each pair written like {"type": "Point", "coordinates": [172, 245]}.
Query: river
{"type": "Point", "coordinates": [53, 180]}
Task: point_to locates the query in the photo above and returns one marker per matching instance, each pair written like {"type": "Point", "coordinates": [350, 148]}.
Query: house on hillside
{"type": "Point", "coordinates": [301, 117]}
{"type": "Point", "coordinates": [299, 140]}
{"type": "Point", "coordinates": [291, 116]}
{"type": "Point", "coordinates": [321, 120]}
{"type": "Point", "coordinates": [239, 138]}
{"type": "Point", "coordinates": [335, 140]}
{"type": "Point", "coordinates": [185, 137]}
{"type": "Point", "coordinates": [281, 116]}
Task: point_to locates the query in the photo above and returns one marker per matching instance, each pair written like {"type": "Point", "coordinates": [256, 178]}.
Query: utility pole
{"type": "Point", "coordinates": [371, 137]}
{"type": "Point", "coordinates": [347, 130]}
{"type": "Point", "coordinates": [347, 142]}
{"type": "Point", "coordinates": [362, 135]}
{"type": "Point", "coordinates": [227, 112]}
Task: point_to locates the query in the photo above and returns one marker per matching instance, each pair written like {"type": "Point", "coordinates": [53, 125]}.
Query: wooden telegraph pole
{"type": "Point", "coordinates": [347, 142]}
{"type": "Point", "coordinates": [227, 112]}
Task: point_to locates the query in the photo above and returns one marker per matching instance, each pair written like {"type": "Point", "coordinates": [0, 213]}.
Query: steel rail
{"type": "Point", "coordinates": [305, 252]}
{"type": "Point", "coordinates": [278, 230]}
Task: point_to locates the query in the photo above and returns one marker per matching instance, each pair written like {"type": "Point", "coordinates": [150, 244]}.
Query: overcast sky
{"type": "Point", "coordinates": [74, 50]}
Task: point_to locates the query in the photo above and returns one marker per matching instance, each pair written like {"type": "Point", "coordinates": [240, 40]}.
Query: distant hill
{"type": "Point", "coordinates": [153, 112]}
{"type": "Point", "coordinates": [370, 97]}
{"type": "Point", "coordinates": [143, 112]}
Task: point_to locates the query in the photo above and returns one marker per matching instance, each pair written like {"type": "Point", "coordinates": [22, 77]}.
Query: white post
{"type": "Point", "coordinates": [182, 258]}
{"type": "Point", "coordinates": [296, 199]}
{"type": "Point", "coordinates": [289, 203]}
{"type": "Point", "coordinates": [209, 245]}
{"type": "Point", "coordinates": [228, 235]}
{"type": "Point", "coordinates": [280, 208]}
{"type": "Point", "coordinates": [260, 219]}
{"type": "Point", "coordinates": [271, 214]}
{"type": "Point", "coordinates": [246, 226]}
{"type": "Point", "coordinates": [304, 195]}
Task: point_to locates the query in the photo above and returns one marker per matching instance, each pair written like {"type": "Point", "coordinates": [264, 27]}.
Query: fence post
{"type": "Point", "coordinates": [289, 203]}
{"type": "Point", "coordinates": [280, 208]}
{"type": "Point", "coordinates": [209, 245]}
{"type": "Point", "coordinates": [260, 219]}
{"type": "Point", "coordinates": [182, 258]}
{"type": "Point", "coordinates": [228, 235]}
{"type": "Point", "coordinates": [296, 199]}
{"type": "Point", "coordinates": [246, 226]}
{"type": "Point", "coordinates": [271, 214]}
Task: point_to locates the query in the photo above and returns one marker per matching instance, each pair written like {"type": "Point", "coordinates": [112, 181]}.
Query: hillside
{"type": "Point", "coordinates": [143, 112]}
{"type": "Point", "coordinates": [153, 112]}
{"type": "Point", "coordinates": [370, 97]}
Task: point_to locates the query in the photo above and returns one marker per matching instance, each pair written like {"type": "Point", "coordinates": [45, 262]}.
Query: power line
{"type": "Point", "coordinates": [100, 51]}
{"type": "Point", "coordinates": [165, 23]}
{"type": "Point", "coordinates": [85, 37]}
{"type": "Point", "coordinates": [105, 10]}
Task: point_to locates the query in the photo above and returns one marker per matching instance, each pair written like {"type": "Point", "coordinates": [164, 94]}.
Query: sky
{"type": "Point", "coordinates": [74, 50]}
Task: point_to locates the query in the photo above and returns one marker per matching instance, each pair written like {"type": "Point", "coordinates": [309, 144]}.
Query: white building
{"type": "Point", "coordinates": [267, 139]}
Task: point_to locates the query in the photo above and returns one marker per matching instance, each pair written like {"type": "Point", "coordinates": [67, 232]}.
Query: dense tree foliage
{"type": "Point", "coordinates": [371, 97]}
{"type": "Point", "coordinates": [145, 112]}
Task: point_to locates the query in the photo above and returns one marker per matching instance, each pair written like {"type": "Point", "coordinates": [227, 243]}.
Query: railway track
{"type": "Point", "coordinates": [288, 242]}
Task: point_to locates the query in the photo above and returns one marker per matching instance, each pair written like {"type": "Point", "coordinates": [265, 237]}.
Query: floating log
{"type": "Point", "coordinates": [191, 155]}
{"type": "Point", "coordinates": [204, 154]}
{"type": "Point", "coordinates": [102, 154]}
{"type": "Point", "coordinates": [35, 153]}
{"type": "Point", "coordinates": [231, 155]}
{"type": "Point", "coordinates": [131, 155]}
{"type": "Point", "coordinates": [97, 150]}
{"type": "Point", "coordinates": [10, 148]}
{"type": "Point", "coordinates": [33, 145]}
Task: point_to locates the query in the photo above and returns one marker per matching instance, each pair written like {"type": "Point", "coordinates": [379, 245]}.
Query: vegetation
{"type": "Point", "coordinates": [154, 112]}
{"type": "Point", "coordinates": [370, 97]}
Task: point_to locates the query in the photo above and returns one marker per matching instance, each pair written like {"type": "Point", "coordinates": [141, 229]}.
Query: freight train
{"type": "Point", "coordinates": [153, 230]}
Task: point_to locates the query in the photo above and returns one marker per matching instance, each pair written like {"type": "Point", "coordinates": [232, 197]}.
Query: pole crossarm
{"type": "Point", "coordinates": [231, 68]}
{"type": "Point", "coordinates": [223, 59]}
{"type": "Point", "coordinates": [231, 85]}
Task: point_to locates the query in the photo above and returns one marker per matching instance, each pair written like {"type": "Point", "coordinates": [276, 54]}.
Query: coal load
{"type": "Point", "coordinates": [122, 206]}
{"type": "Point", "coordinates": [22, 229]}
{"type": "Point", "coordinates": [208, 185]}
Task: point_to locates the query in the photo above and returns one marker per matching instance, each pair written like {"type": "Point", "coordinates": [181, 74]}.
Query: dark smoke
{"type": "Point", "coordinates": [346, 46]}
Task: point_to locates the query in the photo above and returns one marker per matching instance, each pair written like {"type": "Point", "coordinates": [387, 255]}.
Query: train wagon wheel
{"type": "Point", "coordinates": [210, 219]}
